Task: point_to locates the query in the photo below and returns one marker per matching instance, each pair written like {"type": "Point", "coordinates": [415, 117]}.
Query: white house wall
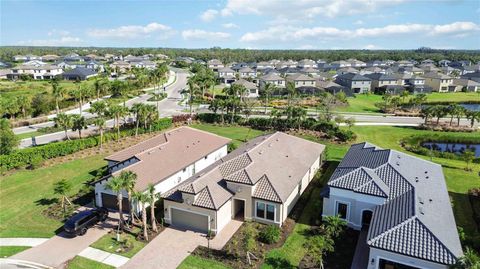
{"type": "Point", "coordinates": [377, 254]}
{"type": "Point", "coordinates": [356, 202]}
{"type": "Point", "coordinates": [224, 215]}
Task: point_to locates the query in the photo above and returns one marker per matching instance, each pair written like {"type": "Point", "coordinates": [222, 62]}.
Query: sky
{"type": "Point", "coordinates": [250, 24]}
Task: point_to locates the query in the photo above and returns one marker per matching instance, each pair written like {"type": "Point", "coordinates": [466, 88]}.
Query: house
{"type": "Point", "coordinates": [50, 58]}
{"type": "Point", "coordinates": [356, 63]}
{"type": "Point", "coordinates": [247, 72]}
{"type": "Point", "coordinates": [120, 66]}
{"type": "Point", "coordinates": [94, 65]}
{"type": "Point", "coordinates": [444, 63]}
{"type": "Point", "coordinates": [301, 80]}
{"type": "Point", "coordinates": [428, 61]}
{"type": "Point", "coordinates": [4, 73]}
{"type": "Point", "coordinates": [306, 63]}
{"type": "Point", "coordinates": [237, 66]}
{"type": "Point", "coordinates": [143, 64]}
{"type": "Point", "coordinates": [264, 65]}
{"type": "Point", "coordinates": [130, 58]}
{"type": "Point", "coordinates": [416, 85]}
{"type": "Point", "coordinates": [438, 81]}
{"type": "Point", "coordinates": [376, 63]}
{"type": "Point", "coordinates": [250, 86]}
{"type": "Point", "coordinates": [272, 78]}
{"type": "Point", "coordinates": [79, 73]}
{"type": "Point", "coordinates": [333, 88]}
{"type": "Point", "coordinates": [340, 64]}
{"type": "Point", "coordinates": [165, 161]}
{"type": "Point", "coordinates": [66, 65]}
{"type": "Point", "coordinates": [403, 63]}
{"type": "Point", "coordinates": [402, 78]}
{"type": "Point", "coordinates": [46, 71]}
{"type": "Point", "coordinates": [401, 204]}
{"type": "Point", "coordinates": [215, 65]}
{"type": "Point", "coordinates": [73, 57]}
{"type": "Point", "coordinates": [260, 181]}
{"type": "Point", "coordinates": [475, 76]}
{"type": "Point", "coordinates": [31, 57]}
{"type": "Point", "coordinates": [19, 58]}
{"type": "Point", "coordinates": [372, 69]}
{"type": "Point", "coordinates": [380, 80]}
{"type": "Point", "coordinates": [459, 85]}
{"type": "Point", "coordinates": [356, 82]}
{"type": "Point", "coordinates": [34, 63]}
{"type": "Point", "coordinates": [226, 75]}
{"type": "Point", "coordinates": [346, 70]}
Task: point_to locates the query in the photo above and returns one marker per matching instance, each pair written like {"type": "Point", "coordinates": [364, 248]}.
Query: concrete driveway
{"type": "Point", "coordinates": [59, 249]}
{"type": "Point", "coordinates": [172, 246]}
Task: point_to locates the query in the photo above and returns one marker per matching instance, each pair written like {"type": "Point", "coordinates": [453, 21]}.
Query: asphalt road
{"type": "Point", "coordinates": [167, 107]}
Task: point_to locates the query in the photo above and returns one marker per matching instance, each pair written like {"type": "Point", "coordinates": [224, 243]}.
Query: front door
{"type": "Point", "coordinates": [366, 218]}
{"type": "Point", "coordinates": [239, 209]}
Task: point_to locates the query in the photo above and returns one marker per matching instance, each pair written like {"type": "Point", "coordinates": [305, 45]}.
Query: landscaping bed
{"type": "Point", "coordinates": [128, 245]}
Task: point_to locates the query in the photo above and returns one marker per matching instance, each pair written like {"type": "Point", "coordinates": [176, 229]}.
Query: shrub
{"type": "Point", "coordinates": [231, 147]}
{"type": "Point", "coordinates": [182, 117]}
{"type": "Point", "coordinates": [270, 234]}
{"type": "Point", "coordinates": [345, 135]}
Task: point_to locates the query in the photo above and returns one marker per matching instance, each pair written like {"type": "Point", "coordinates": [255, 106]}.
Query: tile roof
{"type": "Point", "coordinates": [168, 153]}
{"type": "Point", "coordinates": [416, 218]}
{"type": "Point", "coordinates": [264, 190]}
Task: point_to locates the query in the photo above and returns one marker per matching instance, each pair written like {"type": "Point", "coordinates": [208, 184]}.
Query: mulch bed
{"type": "Point", "coordinates": [233, 254]}
{"type": "Point", "coordinates": [446, 127]}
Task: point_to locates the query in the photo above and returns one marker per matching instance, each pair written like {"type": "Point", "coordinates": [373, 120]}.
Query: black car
{"type": "Point", "coordinates": [79, 223]}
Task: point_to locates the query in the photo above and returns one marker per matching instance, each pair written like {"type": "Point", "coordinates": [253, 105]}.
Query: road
{"type": "Point", "coordinates": [167, 107]}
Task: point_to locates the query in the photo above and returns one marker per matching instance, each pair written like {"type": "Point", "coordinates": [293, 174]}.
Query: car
{"type": "Point", "coordinates": [79, 223]}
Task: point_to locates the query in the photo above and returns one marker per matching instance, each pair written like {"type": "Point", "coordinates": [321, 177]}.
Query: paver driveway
{"type": "Point", "coordinates": [59, 249]}
{"type": "Point", "coordinates": [172, 246]}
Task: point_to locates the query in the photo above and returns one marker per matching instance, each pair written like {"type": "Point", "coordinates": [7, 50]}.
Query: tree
{"type": "Point", "coordinates": [61, 188]}
{"type": "Point", "coordinates": [12, 107]}
{"type": "Point", "coordinates": [405, 94]}
{"type": "Point", "coordinates": [318, 246]}
{"type": "Point", "coordinates": [468, 156]}
{"type": "Point", "coordinates": [470, 260]}
{"type": "Point", "coordinates": [350, 122]}
{"type": "Point", "coordinates": [472, 116]}
{"type": "Point", "coordinates": [142, 198]}
{"type": "Point", "coordinates": [426, 113]}
{"type": "Point", "coordinates": [80, 95]}
{"type": "Point", "coordinates": [268, 90]}
{"type": "Point", "coordinates": [152, 198]}
{"type": "Point", "coordinates": [99, 86]}
{"type": "Point", "coordinates": [65, 122]}
{"type": "Point", "coordinates": [291, 90]}
{"type": "Point", "coordinates": [192, 91]}
{"type": "Point", "coordinates": [419, 100]}
{"type": "Point", "coordinates": [79, 123]}
{"type": "Point", "coordinates": [326, 105]}
{"type": "Point", "coordinates": [57, 92]}
{"type": "Point", "coordinates": [137, 109]}
{"type": "Point", "coordinates": [117, 112]}
{"type": "Point", "coordinates": [454, 110]}
{"type": "Point", "coordinates": [439, 112]}
{"type": "Point", "coordinates": [334, 225]}
{"type": "Point", "coordinates": [129, 180]}
{"type": "Point", "coordinates": [460, 112]}
{"type": "Point", "coordinates": [24, 102]}
{"type": "Point", "coordinates": [116, 185]}
{"type": "Point", "coordinates": [100, 123]}
{"type": "Point", "coordinates": [8, 140]}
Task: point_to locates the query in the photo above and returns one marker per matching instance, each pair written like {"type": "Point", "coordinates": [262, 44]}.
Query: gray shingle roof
{"type": "Point", "coordinates": [416, 218]}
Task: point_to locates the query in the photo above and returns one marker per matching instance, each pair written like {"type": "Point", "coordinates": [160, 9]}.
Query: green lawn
{"type": "Point", "coordinates": [109, 243]}
{"type": "Point", "coordinates": [30, 88]}
{"type": "Point", "coordinates": [195, 262]}
{"type": "Point", "coordinates": [10, 251]}
{"type": "Point", "coordinates": [366, 103]}
{"type": "Point", "coordinates": [24, 194]}
{"type": "Point", "coordinates": [84, 263]}
{"type": "Point", "coordinates": [238, 134]}
{"type": "Point", "coordinates": [28, 135]}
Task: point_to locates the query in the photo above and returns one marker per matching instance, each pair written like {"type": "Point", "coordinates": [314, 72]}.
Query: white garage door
{"type": "Point", "coordinates": [189, 220]}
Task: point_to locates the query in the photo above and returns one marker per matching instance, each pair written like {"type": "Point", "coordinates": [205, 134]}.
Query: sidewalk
{"type": "Point", "coordinates": [23, 242]}
{"type": "Point", "coordinates": [103, 257]}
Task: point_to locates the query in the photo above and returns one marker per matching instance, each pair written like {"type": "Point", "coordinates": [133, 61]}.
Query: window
{"type": "Point", "coordinates": [260, 210]}
{"type": "Point", "coordinates": [270, 212]}
{"type": "Point", "coordinates": [342, 210]}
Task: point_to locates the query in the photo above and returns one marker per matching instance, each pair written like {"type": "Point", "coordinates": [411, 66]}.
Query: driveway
{"type": "Point", "coordinates": [61, 248]}
{"type": "Point", "coordinates": [172, 246]}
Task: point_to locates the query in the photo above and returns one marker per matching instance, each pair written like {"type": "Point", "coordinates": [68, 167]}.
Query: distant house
{"type": "Point", "coordinates": [301, 80]}
{"type": "Point", "coordinates": [346, 70]}
{"type": "Point", "coordinates": [260, 181]}
{"type": "Point", "coordinates": [226, 75]}
{"type": "Point", "coordinates": [356, 63]}
{"type": "Point", "coordinates": [340, 64]}
{"type": "Point", "coordinates": [401, 205]}
{"type": "Point", "coordinates": [73, 57]}
{"type": "Point", "coordinates": [143, 64]}
{"type": "Point", "coordinates": [215, 65]}
{"type": "Point", "coordinates": [376, 63]}
{"type": "Point", "coordinates": [380, 80]}
{"type": "Point", "coordinates": [427, 61]}
{"type": "Point", "coordinates": [333, 88]}
{"type": "Point", "coordinates": [438, 81]}
{"type": "Point", "coordinates": [50, 58]}
{"type": "Point", "coordinates": [372, 69]}
{"type": "Point", "coordinates": [247, 72]}
{"type": "Point", "coordinates": [264, 65]}
{"type": "Point", "coordinates": [465, 85]}
{"type": "Point", "coordinates": [19, 58]}
{"type": "Point", "coordinates": [444, 63]}
{"type": "Point", "coordinates": [306, 63]}
{"type": "Point", "coordinates": [416, 85]}
{"type": "Point", "coordinates": [272, 78]}
{"type": "Point", "coordinates": [120, 66]}
{"type": "Point", "coordinates": [403, 63]}
{"type": "Point", "coordinates": [356, 82]}
{"type": "Point", "coordinates": [475, 76]}
{"type": "Point", "coordinates": [79, 73]}
{"type": "Point", "coordinates": [250, 86]}
{"type": "Point", "coordinates": [34, 63]}
{"type": "Point", "coordinates": [46, 71]}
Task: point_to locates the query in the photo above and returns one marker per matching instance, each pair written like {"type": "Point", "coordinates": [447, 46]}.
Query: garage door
{"type": "Point", "coordinates": [110, 201]}
{"type": "Point", "coordinates": [188, 220]}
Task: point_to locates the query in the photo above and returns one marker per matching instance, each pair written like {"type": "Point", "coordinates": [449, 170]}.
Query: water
{"type": "Point", "coordinates": [457, 148]}
{"type": "Point", "coordinates": [472, 107]}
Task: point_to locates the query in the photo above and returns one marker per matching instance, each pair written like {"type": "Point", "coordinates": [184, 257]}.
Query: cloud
{"type": "Point", "coordinates": [196, 34]}
{"type": "Point", "coordinates": [229, 25]}
{"type": "Point", "coordinates": [61, 41]}
{"type": "Point", "coordinates": [371, 47]}
{"type": "Point", "coordinates": [132, 31]}
{"type": "Point", "coordinates": [304, 8]}
{"type": "Point", "coordinates": [209, 15]}
{"type": "Point", "coordinates": [358, 22]}
{"type": "Point", "coordinates": [56, 32]}
{"type": "Point", "coordinates": [290, 33]}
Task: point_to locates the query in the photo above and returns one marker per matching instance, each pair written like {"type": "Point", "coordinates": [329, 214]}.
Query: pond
{"type": "Point", "coordinates": [457, 148]}
{"type": "Point", "coordinates": [472, 107]}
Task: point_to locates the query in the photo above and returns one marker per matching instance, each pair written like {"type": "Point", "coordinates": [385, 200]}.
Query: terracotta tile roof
{"type": "Point", "coordinates": [265, 191]}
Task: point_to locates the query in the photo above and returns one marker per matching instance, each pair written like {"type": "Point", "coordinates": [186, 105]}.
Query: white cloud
{"type": "Point", "coordinates": [133, 31]}
{"type": "Point", "coordinates": [61, 41]}
{"type": "Point", "coordinates": [304, 8]}
{"type": "Point", "coordinates": [287, 33]}
{"type": "Point", "coordinates": [371, 47]}
{"type": "Point", "coordinates": [229, 25]}
{"type": "Point", "coordinates": [358, 22]}
{"type": "Point", "coordinates": [205, 35]}
{"type": "Point", "coordinates": [209, 15]}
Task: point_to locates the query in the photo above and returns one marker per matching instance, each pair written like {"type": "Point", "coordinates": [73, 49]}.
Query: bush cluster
{"type": "Point", "coordinates": [270, 234]}
{"type": "Point", "coordinates": [34, 156]}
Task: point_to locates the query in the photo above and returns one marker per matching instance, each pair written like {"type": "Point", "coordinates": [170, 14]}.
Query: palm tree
{"type": "Point", "coordinates": [426, 112]}
{"type": "Point", "coordinates": [318, 246]}
{"type": "Point", "coordinates": [61, 188]}
{"type": "Point", "coordinates": [57, 92]}
{"type": "Point", "coordinates": [99, 86]}
{"type": "Point", "coordinates": [152, 197]}
{"type": "Point", "coordinates": [334, 225]}
{"type": "Point", "coordinates": [192, 91]}
{"type": "Point", "coordinates": [472, 116]}
{"type": "Point", "coordinates": [100, 123]}
{"type": "Point", "coordinates": [129, 179]}
{"type": "Point", "coordinates": [79, 123]}
{"type": "Point", "coordinates": [268, 89]}
{"type": "Point", "coordinates": [64, 121]}
{"type": "Point", "coordinates": [453, 110]}
{"type": "Point", "coordinates": [460, 112]}
{"type": "Point", "coordinates": [142, 198]}
{"type": "Point", "coordinates": [116, 185]}
{"type": "Point", "coordinates": [137, 109]}
{"type": "Point", "coordinates": [99, 108]}
{"type": "Point", "coordinates": [439, 112]}
{"type": "Point", "coordinates": [151, 116]}
{"type": "Point", "coordinates": [24, 102]}
{"type": "Point", "coordinates": [291, 91]}
{"type": "Point", "coordinates": [117, 112]}
{"type": "Point", "coordinates": [404, 95]}
{"type": "Point", "coordinates": [468, 156]}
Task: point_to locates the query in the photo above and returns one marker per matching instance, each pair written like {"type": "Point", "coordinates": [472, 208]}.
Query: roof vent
{"type": "Point", "coordinates": [398, 164]}
{"type": "Point", "coordinates": [286, 156]}
{"type": "Point", "coordinates": [426, 177]}
{"type": "Point", "coordinates": [420, 199]}
{"type": "Point", "coordinates": [430, 200]}
{"type": "Point", "coordinates": [426, 172]}
{"type": "Point", "coordinates": [260, 152]}
{"type": "Point", "coordinates": [421, 210]}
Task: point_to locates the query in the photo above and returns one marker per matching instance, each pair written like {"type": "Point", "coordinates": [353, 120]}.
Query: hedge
{"type": "Point", "coordinates": [28, 156]}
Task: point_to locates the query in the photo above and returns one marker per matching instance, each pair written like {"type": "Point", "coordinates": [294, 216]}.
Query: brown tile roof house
{"type": "Point", "coordinates": [165, 154]}
{"type": "Point", "coordinates": [268, 168]}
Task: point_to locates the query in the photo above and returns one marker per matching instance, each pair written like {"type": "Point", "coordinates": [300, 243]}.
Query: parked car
{"type": "Point", "coordinates": [79, 223]}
